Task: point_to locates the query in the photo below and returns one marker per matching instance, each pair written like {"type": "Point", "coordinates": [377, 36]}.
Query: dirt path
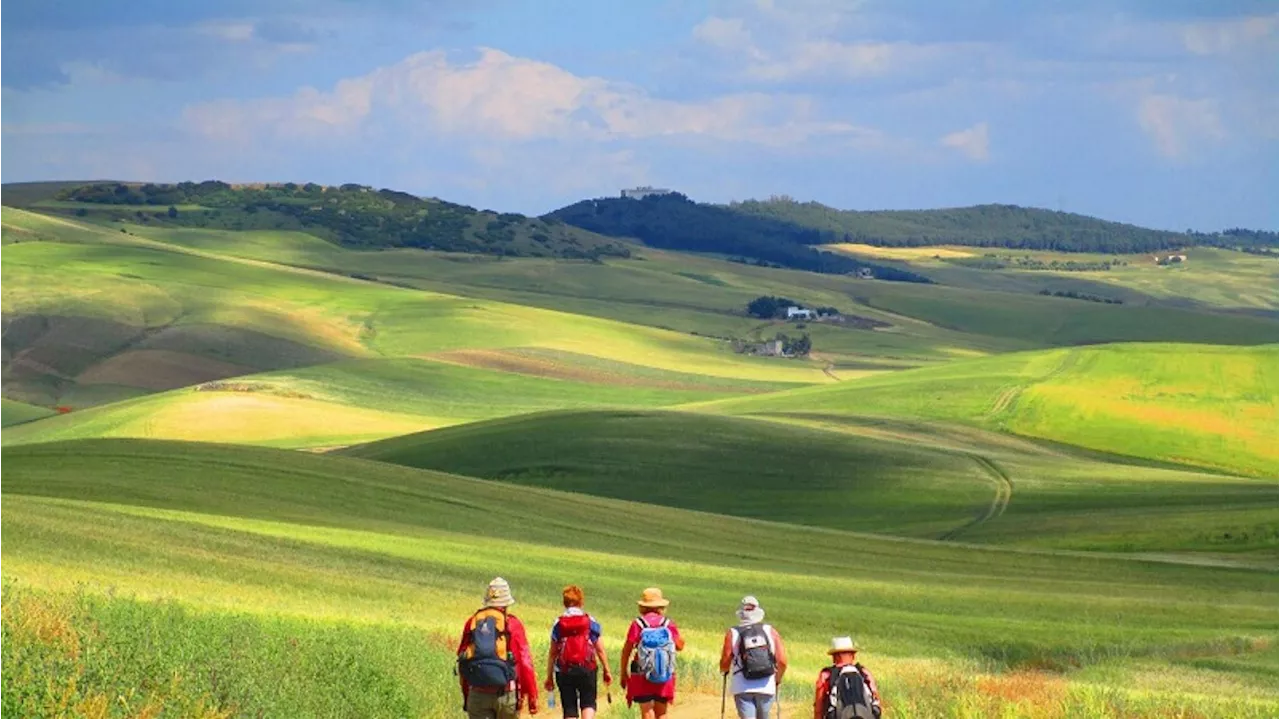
{"type": "Point", "coordinates": [705, 706]}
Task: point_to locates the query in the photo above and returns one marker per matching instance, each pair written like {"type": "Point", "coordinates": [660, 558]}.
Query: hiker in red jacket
{"type": "Point", "coordinates": [495, 666]}
{"type": "Point", "coordinates": [845, 688]}
{"type": "Point", "coordinates": [575, 656]}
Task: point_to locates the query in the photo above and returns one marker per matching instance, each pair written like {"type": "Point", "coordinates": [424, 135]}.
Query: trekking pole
{"type": "Point", "coordinates": [724, 689]}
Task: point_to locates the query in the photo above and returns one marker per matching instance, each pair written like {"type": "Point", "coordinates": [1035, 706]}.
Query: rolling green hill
{"type": "Point", "coordinates": [1199, 405]}
{"type": "Point", "coordinates": [353, 215]}
{"type": "Point", "coordinates": [356, 401]}
{"type": "Point", "coordinates": [320, 557]}
{"type": "Point", "coordinates": [19, 412]}
{"type": "Point", "coordinates": [896, 478]}
{"type": "Point", "coordinates": [93, 316]}
{"type": "Point", "coordinates": [987, 226]}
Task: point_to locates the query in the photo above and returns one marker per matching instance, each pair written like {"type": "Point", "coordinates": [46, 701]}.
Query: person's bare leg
{"type": "Point", "coordinates": [588, 714]}
{"type": "Point", "coordinates": [647, 710]}
{"type": "Point", "coordinates": [659, 709]}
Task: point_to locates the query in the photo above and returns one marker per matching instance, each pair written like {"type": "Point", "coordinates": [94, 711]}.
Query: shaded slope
{"type": "Point", "coordinates": [15, 412]}
{"type": "Point", "coordinates": [1201, 405]}
{"type": "Point", "coordinates": [743, 468]}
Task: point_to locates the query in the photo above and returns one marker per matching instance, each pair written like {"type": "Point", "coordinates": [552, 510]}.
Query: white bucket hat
{"type": "Point", "coordinates": [498, 595]}
{"type": "Point", "coordinates": [842, 645]}
{"type": "Point", "coordinates": [750, 611]}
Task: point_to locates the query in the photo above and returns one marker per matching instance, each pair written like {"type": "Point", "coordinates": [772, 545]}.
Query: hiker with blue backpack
{"type": "Point", "coordinates": [575, 656]}
{"type": "Point", "coordinates": [495, 666]}
{"type": "Point", "coordinates": [753, 661]}
{"type": "Point", "coordinates": [650, 676]}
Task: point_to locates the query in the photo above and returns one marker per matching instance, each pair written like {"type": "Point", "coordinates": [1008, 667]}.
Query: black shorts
{"type": "Point", "coordinates": [646, 698]}
{"type": "Point", "coordinates": [577, 692]}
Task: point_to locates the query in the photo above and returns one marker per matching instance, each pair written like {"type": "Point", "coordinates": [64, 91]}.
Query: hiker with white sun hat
{"type": "Point", "coordinates": [845, 690]}
{"type": "Point", "coordinates": [495, 666]}
{"type": "Point", "coordinates": [753, 661]}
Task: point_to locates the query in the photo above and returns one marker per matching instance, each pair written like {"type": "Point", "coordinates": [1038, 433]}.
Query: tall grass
{"type": "Point", "coordinates": [88, 655]}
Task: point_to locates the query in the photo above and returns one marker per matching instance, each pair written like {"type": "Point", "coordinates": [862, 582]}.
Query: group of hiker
{"type": "Point", "coordinates": [496, 668]}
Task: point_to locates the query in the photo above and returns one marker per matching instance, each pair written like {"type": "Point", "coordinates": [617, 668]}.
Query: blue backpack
{"type": "Point", "coordinates": [656, 652]}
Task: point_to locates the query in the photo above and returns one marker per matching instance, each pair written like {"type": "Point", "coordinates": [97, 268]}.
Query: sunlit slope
{"type": "Point", "coordinates": [364, 400]}
{"type": "Point", "coordinates": [269, 532]}
{"type": "Point", "coordinates": [1207, 406]}
{"type": "Point", "coordinates": [98, 315]}
{"type": "Point", "coordinates": [15, 412]}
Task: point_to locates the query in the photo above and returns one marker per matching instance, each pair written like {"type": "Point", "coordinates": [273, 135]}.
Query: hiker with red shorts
{"type": "Point", "coordinates": [495, 665]}
{"type": "Point", "coordinates": [650, 676]}
{"type": "Point", "coordinates": [575, 656]}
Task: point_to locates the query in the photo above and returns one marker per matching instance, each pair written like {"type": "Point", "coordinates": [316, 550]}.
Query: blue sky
{"type": "Point", "coordinates": [1158, 112]}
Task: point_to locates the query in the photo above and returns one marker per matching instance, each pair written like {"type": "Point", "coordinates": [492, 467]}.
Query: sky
{"type": "Point", "coordinates": [1157, 112]}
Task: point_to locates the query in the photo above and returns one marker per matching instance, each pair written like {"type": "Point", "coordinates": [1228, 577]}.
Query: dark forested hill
{"type": "Point", "coordinates": [673, 221]}
{"type": "Point", "coordinates": [989, 226]}
{"type": "Point", "coordinates": [352, 215]}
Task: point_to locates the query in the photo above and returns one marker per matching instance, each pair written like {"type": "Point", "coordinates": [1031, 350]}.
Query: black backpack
{"type": "Point", "coordinates": [850, 697]}
{"type": "Point", "coordinates": [487, 660]}
{"type": "Point", "coordinates": [755, 652]}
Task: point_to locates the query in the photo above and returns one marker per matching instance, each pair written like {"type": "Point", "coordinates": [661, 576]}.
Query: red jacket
{"type": "Point", "coordinates": [822, 691]}
{"type": "Point", "coordinates": [526, 677]}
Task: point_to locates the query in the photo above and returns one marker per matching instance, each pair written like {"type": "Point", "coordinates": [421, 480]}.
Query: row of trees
{"type": "Point", "coordinates": [361, 216]}
{"type": "Point", "coordinates": [673, 221]}
{"type": "Point", "coordinates": [991, 226]}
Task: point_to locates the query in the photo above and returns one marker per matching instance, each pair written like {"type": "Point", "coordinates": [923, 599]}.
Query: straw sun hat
{"type": "Point", "coordinates": [842, 645]}
{"type": "Point", "coordinates": [651, 598]}
{"type": "Point", "coordinates": [498, 595]}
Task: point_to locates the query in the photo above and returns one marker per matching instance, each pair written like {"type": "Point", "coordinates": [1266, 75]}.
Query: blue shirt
{"type": "Point", "coordinates": [576, 612]}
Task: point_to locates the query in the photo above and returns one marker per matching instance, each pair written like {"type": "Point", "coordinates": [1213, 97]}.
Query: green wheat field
{"type": "Point", "coordinates": [255, 473]}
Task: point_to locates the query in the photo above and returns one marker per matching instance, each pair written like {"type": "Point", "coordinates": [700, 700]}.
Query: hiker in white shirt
{"type": "Point", "coordinates": [753, 661]}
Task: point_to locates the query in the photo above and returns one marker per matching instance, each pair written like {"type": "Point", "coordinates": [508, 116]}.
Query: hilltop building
{"type": "Point", "coordinates": [639, 193]}
{"type": "Point", "coordinates": [794, 312]}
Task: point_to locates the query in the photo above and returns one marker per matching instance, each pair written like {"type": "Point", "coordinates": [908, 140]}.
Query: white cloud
{"type": "Point", "coordinates": [774, 46]}
{"type": "Point", "coordinates": [1177, 124]}
{"type": "Point", "coordinates": [973, 142]}
{"type": "Point", "coordinates": [501, 97]}
{"type": "Point", "coordinates": [1223, 37]}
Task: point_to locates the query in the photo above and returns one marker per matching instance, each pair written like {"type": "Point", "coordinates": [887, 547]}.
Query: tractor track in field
{"type": "Point", "coordinates": [999, 503]}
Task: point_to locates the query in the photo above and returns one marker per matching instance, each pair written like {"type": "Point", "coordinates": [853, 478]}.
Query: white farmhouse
{"type": "Point", "coordinates": [639, 193]}
{"type": "Point", "coordinates": [801, 312]}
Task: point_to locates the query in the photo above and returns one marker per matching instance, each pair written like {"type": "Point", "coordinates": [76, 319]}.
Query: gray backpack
{"type": "Point", "coordinates": [850, 696]}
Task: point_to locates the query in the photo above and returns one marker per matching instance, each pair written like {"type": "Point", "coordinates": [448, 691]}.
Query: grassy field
{"type": "Point", "coordinates": [96, 309]}
{"type": "Point", "coordinates": [729, 465]}
{"type": "Point", "coordinates": [887, 477]}
{"type": "Point", "coordinates": [707, 295]}
{"type": "Point", "coordinates": [15, 412]}
{"type": "Point", "coordinates": [336, 561]}
{"type": "Point", "coordinates": [1211, 407]}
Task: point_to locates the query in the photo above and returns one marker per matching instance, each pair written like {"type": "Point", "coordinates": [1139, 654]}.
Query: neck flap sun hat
{"type": "Point", "coordinates": [842, 645]}
{"type": "Point", "coordinates": [498, 595]}
{"type": "Point", "coordinates": [750, 611]}
{"type": "Point", "coordinates": [651, 598]}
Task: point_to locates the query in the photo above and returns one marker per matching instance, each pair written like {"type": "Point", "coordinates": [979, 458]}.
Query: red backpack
{"type": "Point", "coordinates": [577, 653]}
